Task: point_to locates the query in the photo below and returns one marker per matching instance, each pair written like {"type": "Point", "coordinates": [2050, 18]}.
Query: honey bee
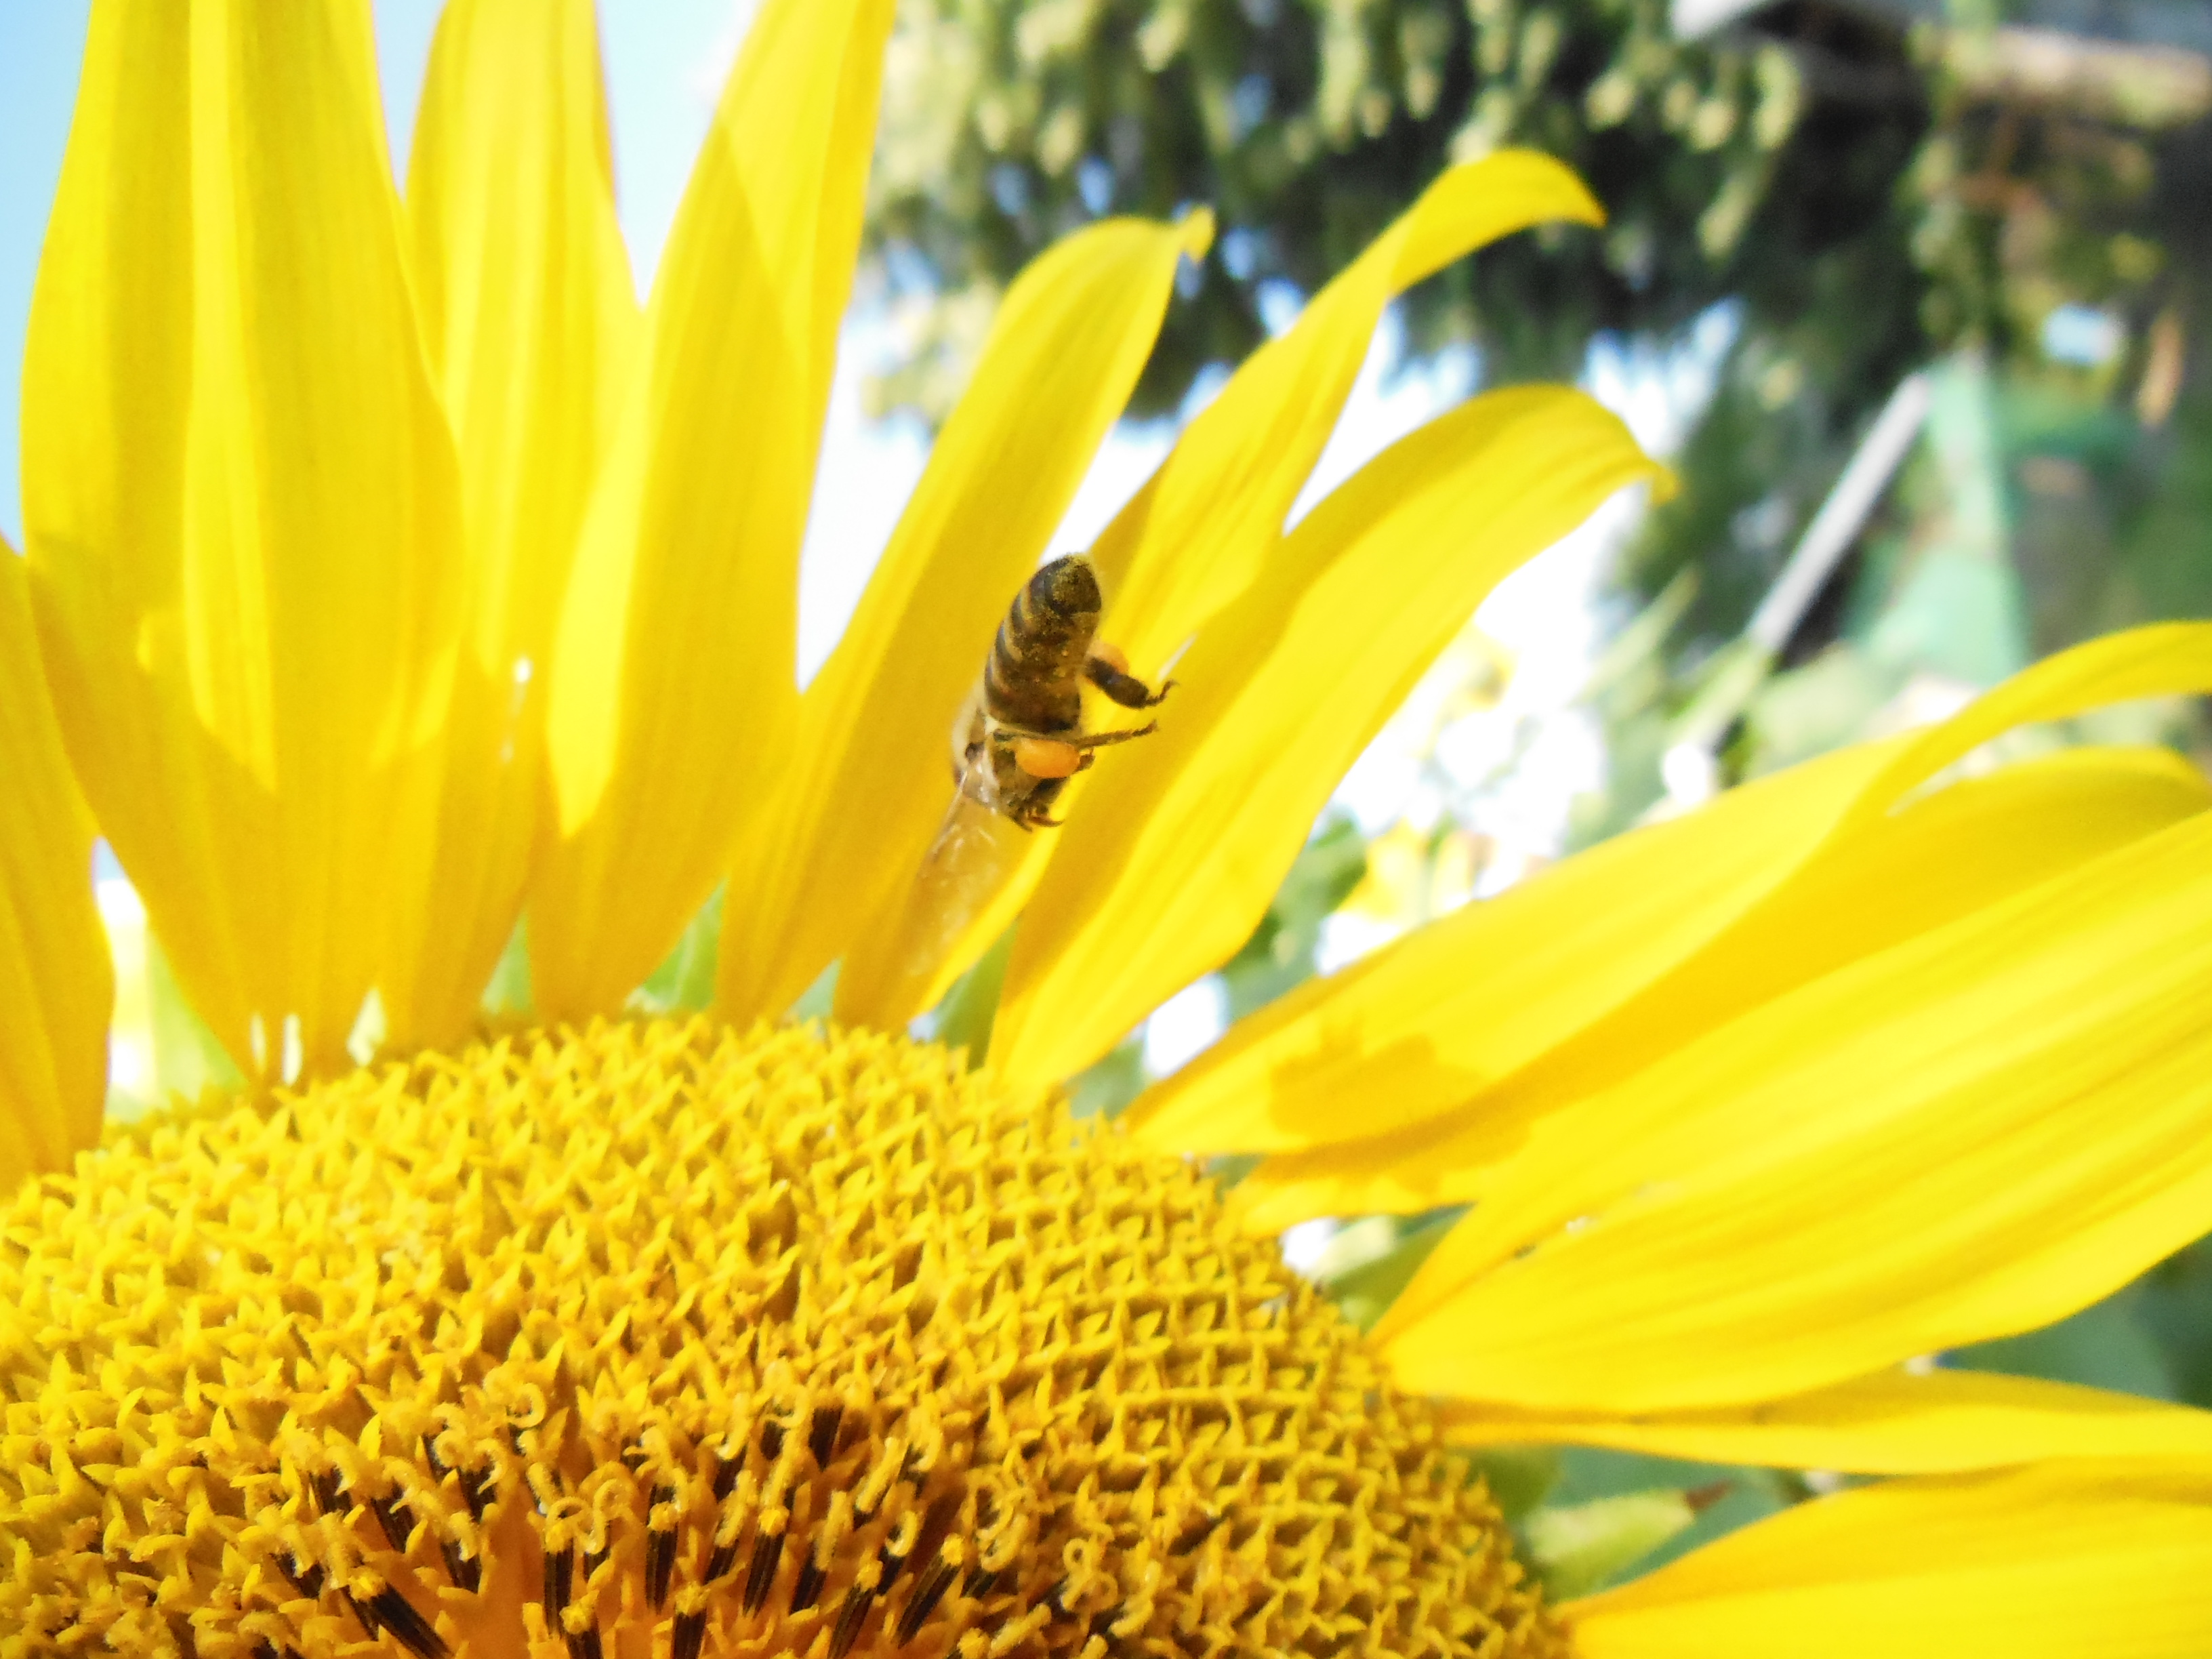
{"type": "Point", "coordinates": [1020, 736]}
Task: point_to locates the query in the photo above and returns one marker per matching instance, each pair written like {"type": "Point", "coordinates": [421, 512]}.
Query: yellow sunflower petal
{"type": "Point", "coordinates": [1274, 702]}
{"type": "Point", "coordinates": [530, 324]}
{"type": "Point", "coordinates": [2164, 660]}
{"type": "Point", "coordinates": [243, 509]}
{"type": "Point", "coordinates": [2054, 1561]}
{"type": "Point", "coordinates": [1426, 1024]}
{"type": "Point", "coordinates": [55, 983]}
{"type": "Point", "coordinates": [1455, 1020]}
{"type": "Point", "coordinates": [1891, 1422]}
{"type": "Point", "coordinates": [867, 781]}
{"type": "Point", "coordinates": [673, 696]}
{"type": "Point", "coordinates": [1972, 1133]}
{"type": "Point", "coordinates": [1958, 850]}
{"type": "Point", "coordinates": [1196, 534]}
{"type": "Point", "coordinates": [1199, 533]}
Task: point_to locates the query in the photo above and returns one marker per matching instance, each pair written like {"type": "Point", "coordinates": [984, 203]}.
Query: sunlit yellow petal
{"type": "Point", "coordinates": [1276, 701]}
{"type": "Point", "coordinates": [528, 315]}
{"type": "Point", "coordinates": [1961, 849]}
{"type": "Point", "coordinates": [673, 696]}
{"type": "Point", "coordinates": [1428, 1024]}
{"type": "Point", "coordinates": [2055, 1561]}
{"type": "Point", "coordinates": [530, 324]}
{"type": "Point", "coordinates": [1500, 1012]}
{"type": "Point", "coordinates": [56, 984]}
{"type": "Point", "coordinates": [1200, 532]}
{"type": "Point", "coordinates": [2164, 660]}
{"type": "Point", "coordinates": [242, 507]}
{"type": "Point", "coordinates": [1893, 1423]}
{"type": "Point", "coordinates": [1972, 1133]}
{"type": "Point", "coordinates": [867, 783]}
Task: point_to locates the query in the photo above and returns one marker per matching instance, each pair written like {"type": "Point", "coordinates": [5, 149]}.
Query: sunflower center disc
{"type": "Point", "coordinates": [659, 1341]}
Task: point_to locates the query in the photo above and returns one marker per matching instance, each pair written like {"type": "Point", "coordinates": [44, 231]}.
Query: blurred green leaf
{"type": "Point", "coordinates": [1230, 1168]}
{"type": "Point", "coordinates": [1821, 706]}
{"type": "Point", "coordinates": [1726, 683]}
{"type": "Point", "coordinates": [684, 981]}
{"type": "Point", "coordinates": [507, 992]}
{"type": "Point", "coordinates": [1354, 1244]}
{"type": "Point", "coordinates": [187, 1058]}
{"type": "Point", "coordinates": [1579, 1547]}
{"type": "Point", "coordinates": [2109, 1345]}
{"type": "Point", "coordinates": [1106, 1088]}
{"type": "Point", "coordinates": [817, 1001]}
{"type": "Point", "coordinates": [970, 1008]}
{"type": "Point", "coordinates": [2173, 1307]}
{"type": "Point", "coordinates": [1731, 1496]}
{"type": "Point", "coordinates": [1519, 1477]}
{"type": "Point", "coordinates": [1280, 955]}
{"type": "Point", "coordinates": [1364, 1291]}
{"type": "Point", "coordinates": [1626, 673]}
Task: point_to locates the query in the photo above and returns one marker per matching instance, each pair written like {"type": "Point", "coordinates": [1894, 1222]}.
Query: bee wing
{"type": "Point", "coordinates": [968, 822]}
{"type": "Point", "coordinates": [974, 808]}
{"type": "Point", "coordinates": [970, 728]}
{"type": "Point", "coordinates": [975, 853]}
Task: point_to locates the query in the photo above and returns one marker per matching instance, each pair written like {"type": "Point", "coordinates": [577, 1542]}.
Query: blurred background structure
{"type": "Point", "coordinates": [1825, 195]}
{"type": "Point", "coordinates": [1916, 294]}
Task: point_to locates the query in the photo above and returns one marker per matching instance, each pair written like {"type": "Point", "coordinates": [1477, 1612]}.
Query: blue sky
{"type": "Point", "coordinates": [41, 45]}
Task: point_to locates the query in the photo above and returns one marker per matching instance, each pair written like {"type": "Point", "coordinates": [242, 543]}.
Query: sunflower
{"type": "Point", "coordinates": [393, 576]}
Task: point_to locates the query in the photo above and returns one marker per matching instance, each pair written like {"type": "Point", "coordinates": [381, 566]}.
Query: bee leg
{"type": "Point", "coordinates": [1009, 737]}
{"type": "Point", "coordinates": [1100, 740]}
{"type": "Point", "coordinates": [1115, 679]}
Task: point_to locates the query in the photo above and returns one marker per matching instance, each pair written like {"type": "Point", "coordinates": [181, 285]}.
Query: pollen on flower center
{"type": "Point", "coordinates": [659, 1341]}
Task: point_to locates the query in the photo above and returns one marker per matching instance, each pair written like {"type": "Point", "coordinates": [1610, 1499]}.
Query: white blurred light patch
{"type": "Point", "coordinates": [130, 1072]}
{"type": "Point", "coordinates": [2083, 336]}
{"type": "Point", "coordinates": [1132, 452]}
{"type": "Point", "coordinates": [1185, 1026]}
{"type": "Point", "coordinates": [863, 479]}
{"type": "Point", "coordinates": [1389, 399]}
{"type": "Point", "coordinates": [1304, 1243]}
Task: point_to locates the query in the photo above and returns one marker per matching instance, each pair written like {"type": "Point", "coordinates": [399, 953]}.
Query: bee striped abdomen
{"type": "Point", "coordinates": [1033, 681]}
{"type": "Point", "coordinates": [1019, 736]}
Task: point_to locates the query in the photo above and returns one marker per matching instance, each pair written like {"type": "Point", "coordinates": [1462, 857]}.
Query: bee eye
{"type": "Point", "coordinates": [1046, 758]}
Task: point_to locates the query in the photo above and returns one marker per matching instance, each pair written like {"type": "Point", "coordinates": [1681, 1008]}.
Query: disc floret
{"type": "Point", "coordinates": [663, 1339]}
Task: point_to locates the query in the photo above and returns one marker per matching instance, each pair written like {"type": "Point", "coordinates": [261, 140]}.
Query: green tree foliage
{"type": "Point", "coordinates": [1307, 125]}
{"type": "Point", "coordinates": [1864, 195]}
{"type": "Point", "coordinates": [2084, 195]}
{"type": "Point", "coordinates": [1757, 169]}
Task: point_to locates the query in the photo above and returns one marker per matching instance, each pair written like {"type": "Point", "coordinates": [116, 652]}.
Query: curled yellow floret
{"type": "Point", "coordinates": [661, 1339]}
